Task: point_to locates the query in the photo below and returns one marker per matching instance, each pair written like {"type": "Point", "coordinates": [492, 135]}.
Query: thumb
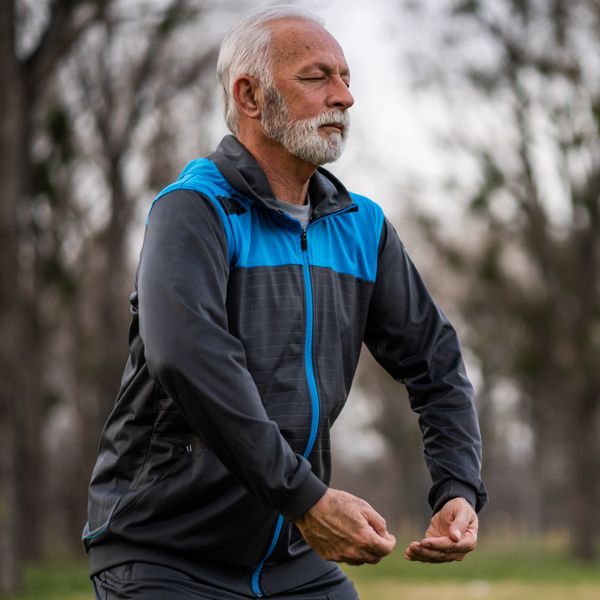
{"type": "Point", "coordinates": [459, 525]}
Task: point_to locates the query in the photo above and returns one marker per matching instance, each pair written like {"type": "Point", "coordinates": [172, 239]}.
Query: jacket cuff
{"type": "Point", "coordinates": [302, 500]}
{"type": "Point", "coordinates": [453, 488]}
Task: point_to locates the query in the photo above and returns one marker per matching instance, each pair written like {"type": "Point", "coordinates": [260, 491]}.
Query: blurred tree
{"type": "Point", "coordinates": [529, 264]}
{"type": "Point", "coordinates": [88, 86]}
{"type": "Point", "coordinates": [29, 57]}
{"type": "Point", "coordinates": [129, 81]}
{"type": "Point", "coordinates": [407, 479]}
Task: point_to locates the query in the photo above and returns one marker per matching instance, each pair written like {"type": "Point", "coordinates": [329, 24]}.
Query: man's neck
{"type": "Point", "coordinates": [288, 175]}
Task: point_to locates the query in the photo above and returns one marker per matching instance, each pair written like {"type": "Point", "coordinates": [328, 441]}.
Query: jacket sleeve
{"type": "Point", "coordinates": [414, 341]}
{"type": "Point", "coordinates": [182, 288]}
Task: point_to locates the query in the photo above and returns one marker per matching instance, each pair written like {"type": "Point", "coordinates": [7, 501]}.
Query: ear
{"type": "Point", "coordinates": [248, 96]}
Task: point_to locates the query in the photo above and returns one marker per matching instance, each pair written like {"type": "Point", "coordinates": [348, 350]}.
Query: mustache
{"type": "Point", "coordinates": [330, 117]}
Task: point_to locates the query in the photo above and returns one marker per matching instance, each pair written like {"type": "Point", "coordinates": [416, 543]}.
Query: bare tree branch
{"type": "Point", "coordinates": [66, 26]}
{"type": "Point", "coordinates": [147, 67]}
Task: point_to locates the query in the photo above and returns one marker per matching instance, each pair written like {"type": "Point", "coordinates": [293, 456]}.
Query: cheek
{"type": "Point", "coordinates": [306, 105]}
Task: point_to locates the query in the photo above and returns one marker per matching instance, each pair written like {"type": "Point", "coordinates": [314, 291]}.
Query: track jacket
{"type": "Point", "coordinates": [246, 332]}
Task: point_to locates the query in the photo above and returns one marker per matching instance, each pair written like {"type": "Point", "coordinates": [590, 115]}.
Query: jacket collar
{"type": "Point", "coordinates": [242, 172]}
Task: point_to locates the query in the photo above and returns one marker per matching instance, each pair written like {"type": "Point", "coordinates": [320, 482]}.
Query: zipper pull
{"type": "Point", "coordinates": [304, 240]}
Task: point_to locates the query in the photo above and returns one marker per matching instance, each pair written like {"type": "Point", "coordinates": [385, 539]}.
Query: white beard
{"type": "Point", "coordinates": [301, 137]}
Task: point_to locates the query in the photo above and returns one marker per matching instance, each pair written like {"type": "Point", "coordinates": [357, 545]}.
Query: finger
{"type": "Point", "coordinates": [411, 550]}
{"type": "Point", "coordinates": [350, 561]}
{"type": "Point", "coordinates": [376, 521]}
{"type": "Point", "coordinates": [380, 548]}
{"type": "Point", "coordinates": [421, 553]}
{"type": "Point", "coordinates": [379, 526]}
{"type": "Point", "coordinates": [371, 559]}
{"type": "Point", "coordinates": [359, 561]}
{"type": "Point", "coordinates": [360, 557]}
{"type": "Point", "coordinates": [445, 543]}
{"type": "Point", "coordinates": [366, 546]}
{"type": "Point", "coordinates": [379, 545]}
{"type": "Point", "coordinates": [441, 552]}
{"type": "Point", "coordinates": [433, 556]}
{"type": "Point", "coordinates": [462, 520]}
{"type": "Point", "coordinates": [374, 541]}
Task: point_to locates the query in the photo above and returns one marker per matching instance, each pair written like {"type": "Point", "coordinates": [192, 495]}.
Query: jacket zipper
{"type": "Point", "coordinates": [256, 589]}
{"type": "Point", "coordinates": [313, 395]}
{"type": "Point", "coordinates": [308, 354]}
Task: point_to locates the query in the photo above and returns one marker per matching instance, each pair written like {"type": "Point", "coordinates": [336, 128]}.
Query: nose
{"type": "Point", "coordinates": [340, 96]}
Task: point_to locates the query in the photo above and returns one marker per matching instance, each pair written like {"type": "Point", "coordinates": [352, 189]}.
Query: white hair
{"type": "Point", "coordinates": [246, 50]}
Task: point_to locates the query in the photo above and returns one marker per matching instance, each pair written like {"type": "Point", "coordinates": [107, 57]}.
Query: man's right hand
{"type": "Point", "coordinates": [344, 528]}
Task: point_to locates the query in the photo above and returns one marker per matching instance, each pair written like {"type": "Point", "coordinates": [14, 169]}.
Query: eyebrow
{"type": "Point", "coordinates": [325, 68]}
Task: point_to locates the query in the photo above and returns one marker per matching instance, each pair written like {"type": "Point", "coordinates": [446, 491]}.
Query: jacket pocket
{"type": "Point", "coordinates": [114, 492]}
{"type": "Point", "coordinates": [149, 489]}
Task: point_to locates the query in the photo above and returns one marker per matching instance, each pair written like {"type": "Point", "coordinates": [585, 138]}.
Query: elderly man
{"type": "Point", "coordinates": [260, 277]}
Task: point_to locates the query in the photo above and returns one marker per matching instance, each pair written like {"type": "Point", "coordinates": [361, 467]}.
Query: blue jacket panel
{"type": "Point", "coordinates": [256, 239]}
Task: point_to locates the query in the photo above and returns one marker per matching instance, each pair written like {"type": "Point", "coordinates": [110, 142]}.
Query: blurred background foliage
{"type": "Point", "coordinates": [103, 101]}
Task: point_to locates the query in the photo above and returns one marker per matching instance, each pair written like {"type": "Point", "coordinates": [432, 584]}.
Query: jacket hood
{"type": "Point", "coordinates": [242, 172]}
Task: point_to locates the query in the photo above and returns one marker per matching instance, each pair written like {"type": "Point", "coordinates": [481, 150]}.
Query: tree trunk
{"type": "Point", "coordinates": [31, 457]}
{"type": "Point", "coordinates": [10, 367]}
{"type": "Point", "coordinates": [30, 415]}
{"type": "Point", "coordinates": [10, 564]}
{"type": "Point", "coordinates": [113, 295]}
{"type": "Point", "coordinates": [584, 472]}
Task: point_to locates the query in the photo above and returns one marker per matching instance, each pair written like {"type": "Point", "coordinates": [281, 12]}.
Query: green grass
{"type": "Point", "coordinates": [506, 571]}
{"type": "Point", "coordinates": [476, 590]}
{"type": "Point", "coordinates": [524, 562]}
{"type": "Point", "coordinates": [500, 572]}
{"type": "Point", "coordinates": [57, 581]}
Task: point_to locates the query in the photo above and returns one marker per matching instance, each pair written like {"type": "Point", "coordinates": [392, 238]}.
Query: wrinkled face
{"type": "Point", "coordinates": [317, 140]}
{"type": "Point", "coordinates": [306, 110]}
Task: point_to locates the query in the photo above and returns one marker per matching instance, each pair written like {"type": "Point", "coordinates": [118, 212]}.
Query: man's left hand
{"type": "Point", "coordinates": [451, 535]}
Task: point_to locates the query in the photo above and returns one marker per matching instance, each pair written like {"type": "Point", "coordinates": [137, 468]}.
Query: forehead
{"type": "Point", "coordinates": [297, 44]}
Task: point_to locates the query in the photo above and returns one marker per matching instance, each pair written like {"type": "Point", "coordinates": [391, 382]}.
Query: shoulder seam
{"type": "Point", "coordinates": [217, 208]}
